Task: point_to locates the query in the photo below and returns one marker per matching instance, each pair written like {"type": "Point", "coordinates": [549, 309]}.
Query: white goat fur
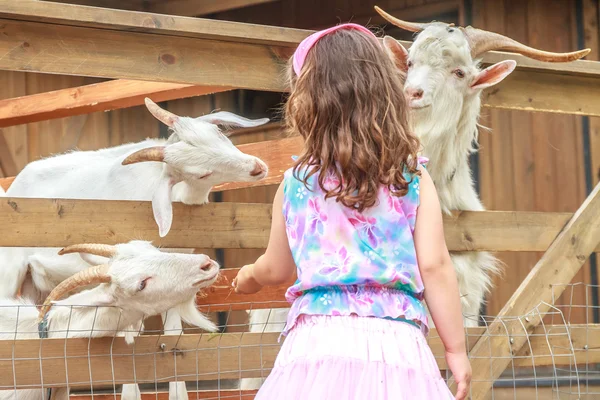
{"type": "Point", "coordinates": [195, 148]}
{"type": "Point", "coordinates": [119, 307]}
{"type": "Point", "coordinates": [446, 122]}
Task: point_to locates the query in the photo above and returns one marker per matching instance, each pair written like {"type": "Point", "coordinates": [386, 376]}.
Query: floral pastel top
{"type": "Point", "coordinates": [350, 262]}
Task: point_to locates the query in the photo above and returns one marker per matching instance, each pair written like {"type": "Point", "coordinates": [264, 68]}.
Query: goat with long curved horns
{"type": "Point", "coordinates": [443, 87]}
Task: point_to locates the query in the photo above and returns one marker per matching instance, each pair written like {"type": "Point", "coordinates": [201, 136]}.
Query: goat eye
{"type": "Point", "coordinates": [142, 284]}
{"type": "Point", "coordinates": [459, 72]}
{"type": "Point", "coordinates": [409, 64]}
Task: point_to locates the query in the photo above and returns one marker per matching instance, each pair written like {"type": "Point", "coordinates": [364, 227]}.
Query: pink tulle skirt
{"type": "Point", "coordinates": [351, 358]}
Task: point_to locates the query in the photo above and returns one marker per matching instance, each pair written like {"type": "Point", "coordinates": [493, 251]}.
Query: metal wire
{"type": "Point", "coordinates": [559, 359]}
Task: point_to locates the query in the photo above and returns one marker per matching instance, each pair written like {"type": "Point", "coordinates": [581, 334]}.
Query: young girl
{"type": "Point", "coordinates": [359, 219]}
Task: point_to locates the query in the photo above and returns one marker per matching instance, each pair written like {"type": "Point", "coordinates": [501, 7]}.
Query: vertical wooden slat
{"type": "Point", "coordinates": [591, 32]}
{"type": "Point", "coordinates": [13, 85]}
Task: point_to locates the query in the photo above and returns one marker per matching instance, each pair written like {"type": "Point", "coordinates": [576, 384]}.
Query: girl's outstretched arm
{"type": "Point", "coordinates": [276, 265]}
{"type": "Point", "coordinates": [441, 285]}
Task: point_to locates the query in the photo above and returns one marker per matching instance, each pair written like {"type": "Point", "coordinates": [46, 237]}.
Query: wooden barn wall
{"type": "Point", "coordinates": [529, 161]}
{"type": "Point", "coordinates": [532, 161]}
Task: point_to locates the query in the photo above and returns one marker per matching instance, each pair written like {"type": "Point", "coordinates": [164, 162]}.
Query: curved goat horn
{"type": "Point", "coordinates": [97, 274]}
{"type": "Point", "coordinates": [482, 41]}
{"type": "Point", "coordinates": [409, 26]}
{"type": "Point", "coordinates": [156, 153]}
{"type": "Point", "coordinates": [103, 250]}
{"type": "Point", "coordinates": [164, 116]}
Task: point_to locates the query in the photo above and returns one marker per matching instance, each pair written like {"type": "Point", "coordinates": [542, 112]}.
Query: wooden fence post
{"type": "Point", "coordinates": [494, 350]}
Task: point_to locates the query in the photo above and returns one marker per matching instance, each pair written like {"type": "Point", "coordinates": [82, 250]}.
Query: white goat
{"type": "Point", "coordinates": [196, 157]}
{"type": "Point", "coordinates": [444, 84]}
{"type": "Point", "coordinates": [137, 282]}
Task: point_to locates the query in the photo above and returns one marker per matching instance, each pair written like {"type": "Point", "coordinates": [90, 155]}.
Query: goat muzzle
{"type": "Point", "coordinates": [481, 41]}
{"type": "Point", "coordinates": [258, 169]}
{"type": "Point", "coordinates": [156, 153]}
{"type": "Point", "coordinates": [94, 275]}
{"type": "Point", "coordinates": [103, 250]}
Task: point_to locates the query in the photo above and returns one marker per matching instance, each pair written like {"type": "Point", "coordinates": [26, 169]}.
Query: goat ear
{"type": "Point", "coordinates": [232, 120]}
{"type": "Point", "coordinates": [493, 74]}
{"type": "Point", "coordinates": [161, 204]}
{"type": "Point", "coordinates": [190, 314]}
{"type": "Point", "coordinates": [397, 52]}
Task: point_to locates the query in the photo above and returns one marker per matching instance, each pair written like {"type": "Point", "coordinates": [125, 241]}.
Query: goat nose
{"type": "Point", "coordinates": [259, 168]}
{"type": "Point", "coordinates": [206, 266]}
{"type": "Point", "coordinates": [414, 94]}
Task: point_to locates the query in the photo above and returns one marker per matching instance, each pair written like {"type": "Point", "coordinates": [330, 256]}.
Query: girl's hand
{"type": "Point", "coordinates": [244, 282]}
{"type": "Point", "coordinates": [461, 370]}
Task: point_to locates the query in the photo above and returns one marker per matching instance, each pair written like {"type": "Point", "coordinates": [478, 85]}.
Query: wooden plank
{"type": "Point", "coordinates": [194, 8]}
{"type": "Point", "coordinates": [59, 222]}
{"type": "Point", "coordinates": [278, 156]}
{"type": "Point", "coordinates": [555, 93]}
{"type": "Point", "coordinates": [76, 15]}
{"type": "Point", "coordinates": [559, 265]}
{"type": "Point", "coordinates": [107, 361]}
{"type": "Point", "coordinates": [223, 394]}
{"type": "Point", "coordinates": [86, 99]}
{"type": "Point", "coordinates": [131, 5]}
{"type": "Point", "coordinates": [66, 14]}
{"type": "Point", "coordinates": [254, 61]}
{"type": "Point", "coordinates": [69, 50]}
{"type": "Point", "coordinates": [500, 393]}
{"type": "Point", "coordinates": [222, 298]}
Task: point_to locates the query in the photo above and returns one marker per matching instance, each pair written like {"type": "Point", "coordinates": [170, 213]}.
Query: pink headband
{"type": "Point", "coordinates": [309, 42]}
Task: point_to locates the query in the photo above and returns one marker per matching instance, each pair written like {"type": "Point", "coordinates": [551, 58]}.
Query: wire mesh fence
{"type": "Point", "coordinates": [560, 358]}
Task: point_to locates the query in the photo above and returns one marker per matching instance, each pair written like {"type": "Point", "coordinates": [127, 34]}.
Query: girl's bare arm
{"type": "Point", "coordinates": [439, 277]}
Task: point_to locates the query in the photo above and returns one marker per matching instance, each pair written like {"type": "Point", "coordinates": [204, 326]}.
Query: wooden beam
{"type": "Point", "coordinates": [563, 259]}
{"type": "Point", "coordinates": [69, 50]}
{"type": "Point", "coordinates": [131, 5]}
{"type": "Point", "coordinates": [103, 362]}
{"type": "Point", "coordinates": [223, 394]}
{"type": "Point", "coordinates": [59, 222]}
{"type": "Point", "coordinates": [194, 8]}
{"type": "Point", "coordinates": [126, 21]}
{"type": "Point", "coordinates": [221, 297]}
{"type": "Point", "coordinates": [104, 96]}
{"type": "Point", "coordinates": [220, 53]}
{"type": "Point", "coordinates": [82, 16]}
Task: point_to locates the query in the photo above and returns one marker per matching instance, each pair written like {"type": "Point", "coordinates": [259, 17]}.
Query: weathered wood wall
{"type": "Point", "coordinates": [533, 161]}
{"type": "Point", "coordinates": [530, 161]}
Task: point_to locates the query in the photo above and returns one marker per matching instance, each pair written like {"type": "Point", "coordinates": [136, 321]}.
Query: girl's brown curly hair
{"type": "Point", "coordinates": [348, 105]}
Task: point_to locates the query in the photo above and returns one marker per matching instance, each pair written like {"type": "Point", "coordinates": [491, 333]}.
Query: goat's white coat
{"type": "Point", "coordinates": [195, 148]}
{"type": "Point", "coordinates": [116, 308]}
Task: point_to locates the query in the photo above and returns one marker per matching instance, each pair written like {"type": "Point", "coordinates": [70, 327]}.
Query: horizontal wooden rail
{"type": "Point", "coordinates": [66, 39]}
{"type": "Point", "coordinates": [223, 394]}
{"type": "Point", "coordinates": [59, 222]}
{"type": "Point", "coordinates": [104, 96]}
{"type": "Point", "coordinates": [221, 297]}
{"type": "Point", "coordinates": [108, 361]}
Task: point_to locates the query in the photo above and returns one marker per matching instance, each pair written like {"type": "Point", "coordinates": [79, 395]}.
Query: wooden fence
{"type": "Point", "coordinates": [166, 57]}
